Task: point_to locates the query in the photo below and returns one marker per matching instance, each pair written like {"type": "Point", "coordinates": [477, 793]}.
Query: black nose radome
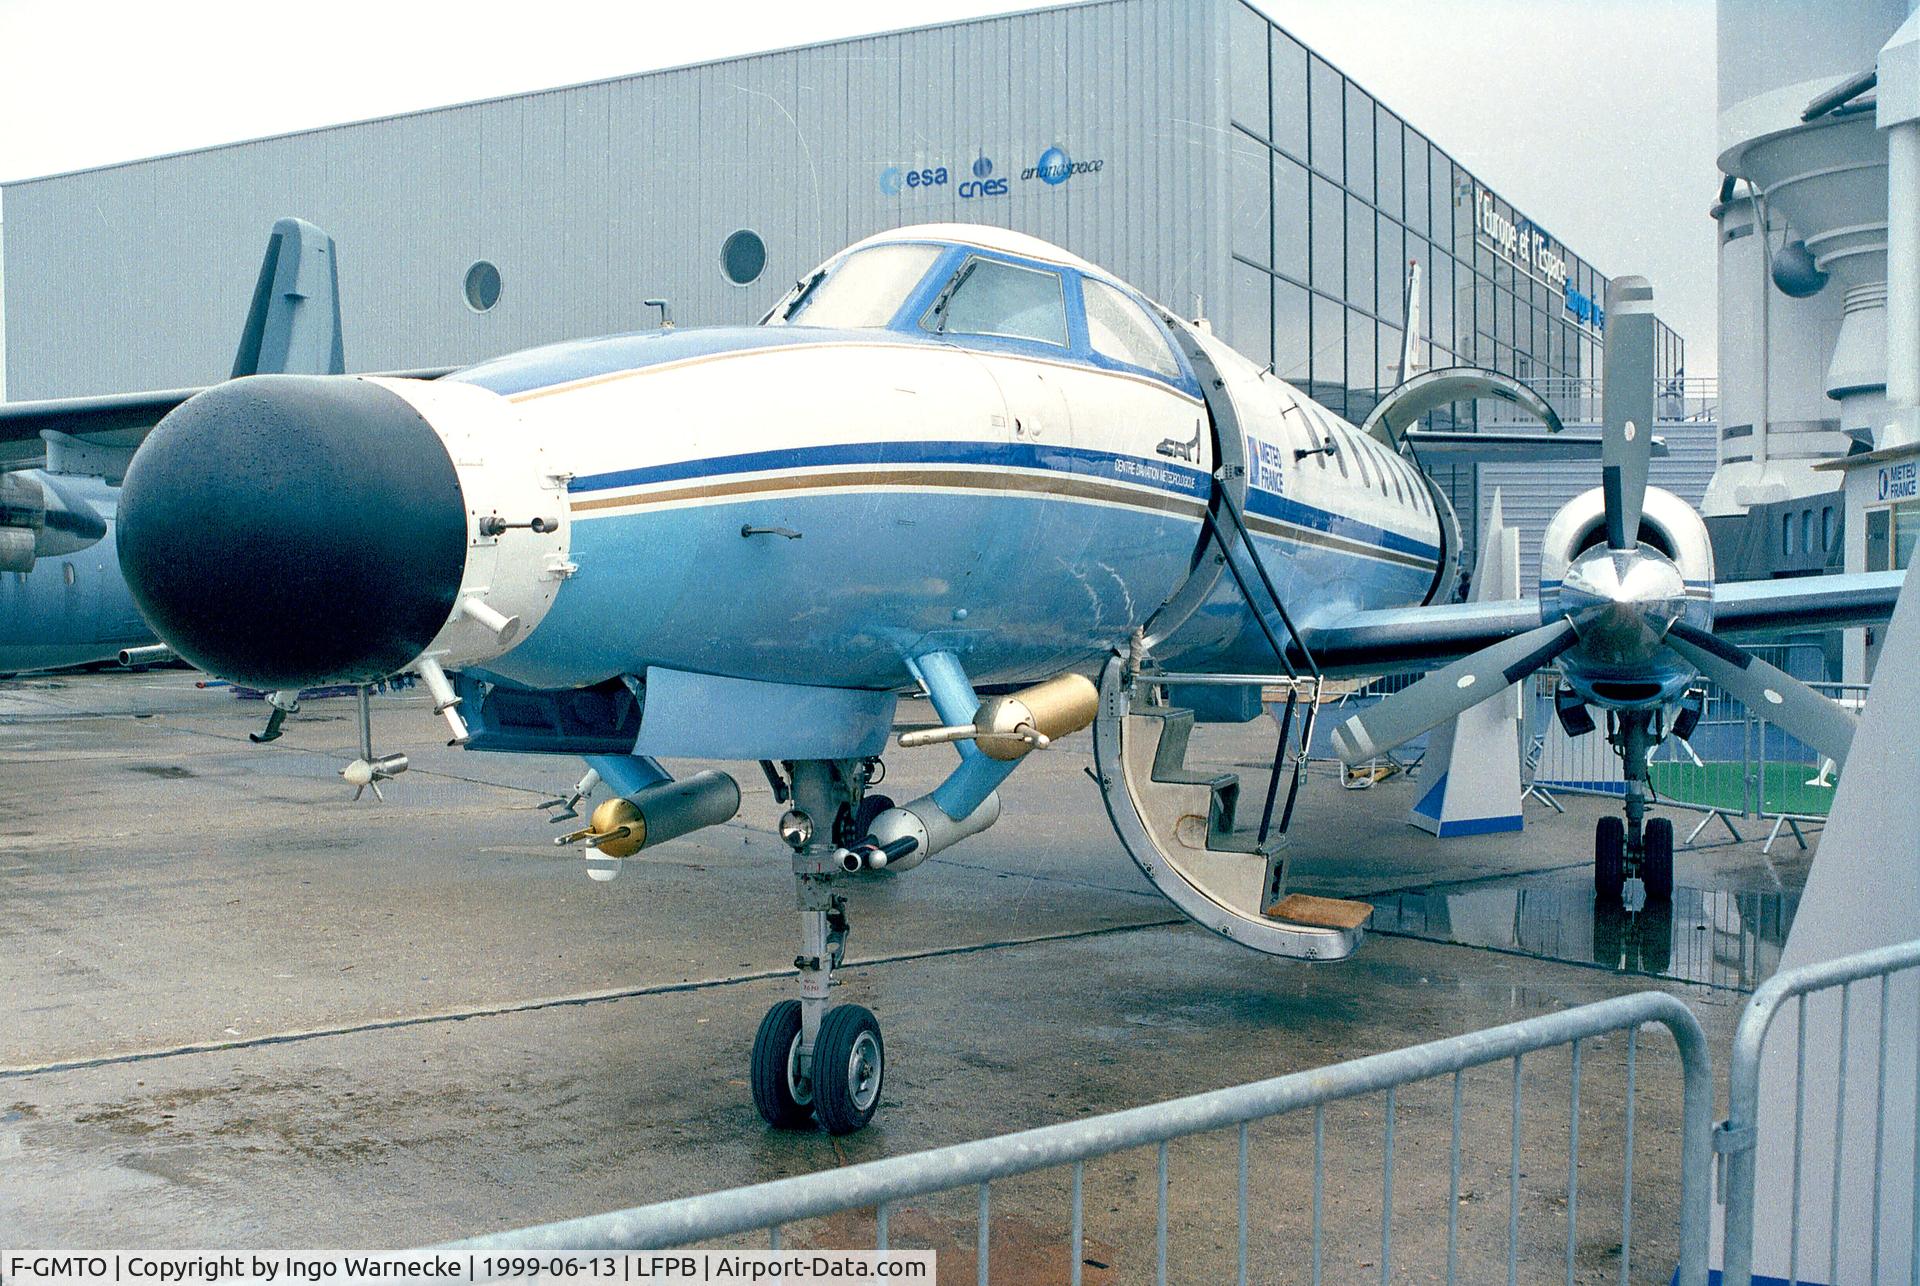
{"type": "Point", "coordinates": [285, 531]}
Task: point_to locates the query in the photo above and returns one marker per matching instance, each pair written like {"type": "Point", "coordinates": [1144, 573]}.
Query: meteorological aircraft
{"type": "Point", "coordinates": [953, 459]}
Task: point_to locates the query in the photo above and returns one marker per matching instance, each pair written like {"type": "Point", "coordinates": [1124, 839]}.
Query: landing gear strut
{"type": "Point", "coordinates": [1635, 848]}
{"type": "Point", "coordinates": [810, 1061]}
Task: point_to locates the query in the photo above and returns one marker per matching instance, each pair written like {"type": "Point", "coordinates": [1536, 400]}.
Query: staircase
{"type": "Point", "coordinates": [1187, 828]}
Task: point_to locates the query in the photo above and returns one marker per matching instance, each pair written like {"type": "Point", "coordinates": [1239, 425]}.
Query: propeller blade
{"type": "Point", "coordinates": [1768, 692]}
{"type": "Point", "coordinates": [1450, 691]}
{"type": "Point", "coordinates": [1626, 403]}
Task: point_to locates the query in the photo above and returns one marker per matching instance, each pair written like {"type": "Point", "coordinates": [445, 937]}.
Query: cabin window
{"type": "Point", "coordinates": [1119, 329]}
{"type": "Point", "coordinates": [862, 291]}
{"type": "Point", "coordinates": [1360, 453]}
{"type": "Point", "coordinates": [1337, 441]}
{"type": "Point", "coordinates": [1003, 300]}
{"type": "Point", "coordinates": [1301, 432]}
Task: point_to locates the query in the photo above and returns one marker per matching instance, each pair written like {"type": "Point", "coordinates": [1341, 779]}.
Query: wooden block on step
{"type": "Point", "coordinates": [1328, 913]}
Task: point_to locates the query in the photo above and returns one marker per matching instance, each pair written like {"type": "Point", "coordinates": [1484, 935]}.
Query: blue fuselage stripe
{"type": "Point", "coordinates": [1177, 479]}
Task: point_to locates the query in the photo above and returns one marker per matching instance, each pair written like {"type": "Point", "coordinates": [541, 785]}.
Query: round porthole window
{"type": "Point", "coordinates": [743, 257]}
{"type": "Point", "coordinates": [483, 286]}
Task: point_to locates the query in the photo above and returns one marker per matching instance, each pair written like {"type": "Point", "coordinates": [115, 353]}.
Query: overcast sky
{"type": "Point", "coordinates": [1594, 117]}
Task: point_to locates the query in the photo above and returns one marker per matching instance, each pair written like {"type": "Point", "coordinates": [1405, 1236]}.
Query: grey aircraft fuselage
{"type": "Point", "coordinates": [73, 608]}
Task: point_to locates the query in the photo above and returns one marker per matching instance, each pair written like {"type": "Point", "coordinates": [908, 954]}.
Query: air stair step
{"type": "Point", "coordinates": [1170, 769]}
{"type": "Point", "coordinates": [1169, 817]}
{"type": "Point", "coordinates": [1325, 913]}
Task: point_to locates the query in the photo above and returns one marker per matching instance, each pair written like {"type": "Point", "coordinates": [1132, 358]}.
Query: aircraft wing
{"type": "Point", "coordinates": [1749, 609]}
{"type": "Point", "coordinates": [25, 421]}
{"type": "Point", "coordinates": [128, 416]}
{"type": "Point", "coordinates": [1492, 444]}
{"type": "Point", "coordinates": [1408, 639]}
{"type": "Point", "coordinates": [1404, 639]}
{"type": "Point", "coordinates": [105, 412]}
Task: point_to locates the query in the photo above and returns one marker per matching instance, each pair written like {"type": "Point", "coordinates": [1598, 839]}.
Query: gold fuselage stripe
{"type": "Point", "coordinates": [992, 480]}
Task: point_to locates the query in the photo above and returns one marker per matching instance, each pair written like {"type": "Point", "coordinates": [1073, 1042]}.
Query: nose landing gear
{"type": "Point", "coordinates": [812, 1062]}
{"type": "Point", "coordinates": [1634, 850]}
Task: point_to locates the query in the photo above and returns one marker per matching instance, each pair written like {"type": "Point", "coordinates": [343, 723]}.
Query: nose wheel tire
{"type": "Point", "coordinates": [1656, 867]}
{"type": "Point", "coordinates": [1610, 858]}
{"type": "Point", "coordinates": [849, 1068]}
{"type": "Point", "coordinates": [784, 1101]}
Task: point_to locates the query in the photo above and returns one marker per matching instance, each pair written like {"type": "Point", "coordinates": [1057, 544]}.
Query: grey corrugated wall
{"type": "Point", "coordinates": [590, 199]}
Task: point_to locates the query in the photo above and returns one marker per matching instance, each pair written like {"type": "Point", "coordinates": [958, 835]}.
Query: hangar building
{"type": "Point", "coordinates": [1189, 145]}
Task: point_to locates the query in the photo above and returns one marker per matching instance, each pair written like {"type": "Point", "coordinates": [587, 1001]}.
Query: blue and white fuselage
{"type": "Point", "coordinates": [1020, 502]}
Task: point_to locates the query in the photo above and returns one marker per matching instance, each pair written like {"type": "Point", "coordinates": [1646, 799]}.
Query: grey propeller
{"type": "Point", "coordinates": [1451, 691]}
{"type": "Point", "coordinates": [1626, 402]}
{"type": "Point", "coordinates": [1769, 692]}
{"type": "Point", "coordinates": [1627, 443]}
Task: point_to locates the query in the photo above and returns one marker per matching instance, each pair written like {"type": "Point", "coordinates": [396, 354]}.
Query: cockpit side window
{"type": "Point", "coordinates": [1008, 301]}
{"type": "Point", "coordinates": [862, 291]}
{"type": "Point", "coordinates": [1120, 330]}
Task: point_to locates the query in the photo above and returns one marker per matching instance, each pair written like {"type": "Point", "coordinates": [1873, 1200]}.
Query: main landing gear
{"type": "Point", "coordinates": [812, 1062]}
{"type": "Point", "coordinates": [1634, 847]}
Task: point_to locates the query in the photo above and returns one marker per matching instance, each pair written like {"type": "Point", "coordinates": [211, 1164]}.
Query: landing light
{"type": "Point", "coordinates": [796, 828]}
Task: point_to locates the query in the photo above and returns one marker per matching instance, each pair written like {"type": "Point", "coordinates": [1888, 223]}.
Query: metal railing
{"type": "Point", "coordinates": [1735, 765]}
{"type": "Point", "coordinates": [883, 1185]}
{"type": "Point", "coordinates": [1736, 1139]}
{"type": "Point", "coordinates": [1576, 400]}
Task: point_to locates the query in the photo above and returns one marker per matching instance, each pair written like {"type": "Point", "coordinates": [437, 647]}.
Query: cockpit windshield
{"type": "Point", "coordinates": [1004, 300]}
{"type": "Point", "coordinates": [862, 291]}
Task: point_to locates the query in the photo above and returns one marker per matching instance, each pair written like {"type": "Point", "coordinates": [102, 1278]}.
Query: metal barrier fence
{"type": "Point", "coordinates": [1735, 765]}
{"type": "Point", "coordinates": [883, 1185]}
{"type": "Point", "coordinates": [1737, 1138]}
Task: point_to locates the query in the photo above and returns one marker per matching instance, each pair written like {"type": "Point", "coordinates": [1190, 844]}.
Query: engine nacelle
{"type": "Point", "coordinates": [1622, 602]}
{"type": "Point", "coordinates": [1668, 524]}
{"type": "Point", "coordinates": [39, 520]}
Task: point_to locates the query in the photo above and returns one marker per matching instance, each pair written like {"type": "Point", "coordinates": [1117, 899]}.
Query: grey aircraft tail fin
{"type": "Point", "coordinates": [293, 326]}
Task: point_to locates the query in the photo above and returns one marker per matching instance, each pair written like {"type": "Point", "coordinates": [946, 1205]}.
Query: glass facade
{"type": "Point", "coordinates": [1334, 196]}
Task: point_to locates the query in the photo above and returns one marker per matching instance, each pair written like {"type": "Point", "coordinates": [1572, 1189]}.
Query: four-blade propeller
{"type": "Point", "coordinates": [1627, 392]}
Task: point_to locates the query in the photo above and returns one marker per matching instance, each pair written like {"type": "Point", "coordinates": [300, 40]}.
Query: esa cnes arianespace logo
{"type": "Point", "coordinates": [1053, 167]}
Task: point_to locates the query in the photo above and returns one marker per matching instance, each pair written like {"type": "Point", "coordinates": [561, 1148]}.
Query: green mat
{"type": "Point", "coordinates": [1723, 786]}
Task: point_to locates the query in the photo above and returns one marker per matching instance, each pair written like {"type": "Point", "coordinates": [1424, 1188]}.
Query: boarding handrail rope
{"type": "Point", "coordinates": [1312, 683]}
{"type": "Point", "coordinates": [882, 1184]}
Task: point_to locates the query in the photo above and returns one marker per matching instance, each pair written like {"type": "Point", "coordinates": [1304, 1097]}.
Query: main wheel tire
{"type": "Point", "coordinates": [1656, 867]}
{"type": "Point", "coordinates": [1609, 857]}
{"type": "Point", "coordinates": [776, 1065]}
{"type": "Point", "coordinates": [849, 1068]}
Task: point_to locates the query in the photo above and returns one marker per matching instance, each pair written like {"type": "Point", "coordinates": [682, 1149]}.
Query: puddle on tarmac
{"type": "Point", "coordinates": [1716, 936]}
